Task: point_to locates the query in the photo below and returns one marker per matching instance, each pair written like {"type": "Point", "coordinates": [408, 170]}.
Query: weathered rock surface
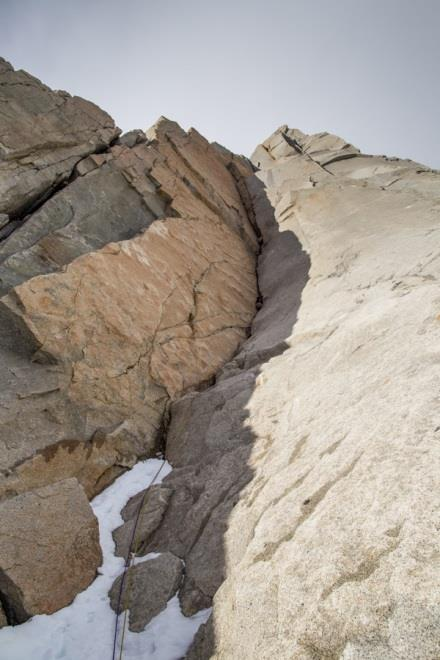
{"type": "Point", "coordinates": [147, 588]}
{"type": "Point", "coordinates": [43, 134]}
{"type": "Point", "coordinates": [49, 549]}
{"type": "Point", "coordinates": [142, 516]}
{"type": "Point", "coordinates": [130, 326]}
{"type": "Point", "coordinates": [119, 193]}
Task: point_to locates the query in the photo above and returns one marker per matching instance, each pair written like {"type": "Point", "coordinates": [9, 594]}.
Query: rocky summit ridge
{"type": "Point", "coordinates": [270, 324]}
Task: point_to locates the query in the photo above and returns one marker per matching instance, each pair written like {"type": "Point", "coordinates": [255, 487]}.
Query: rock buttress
{"type": "Point", "coordinates": [127, 275]}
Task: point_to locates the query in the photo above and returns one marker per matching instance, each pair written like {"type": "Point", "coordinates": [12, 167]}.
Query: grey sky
{"type": "Point", "coordinates": [367, 70]}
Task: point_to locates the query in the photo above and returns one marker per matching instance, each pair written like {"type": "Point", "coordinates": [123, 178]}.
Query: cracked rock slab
{"type": "Point", "coordinates": [118, 193]}
{"type": "Point", "coordinates": [142, 319]}
{"type": "Point", "coordinates": [110, 332]}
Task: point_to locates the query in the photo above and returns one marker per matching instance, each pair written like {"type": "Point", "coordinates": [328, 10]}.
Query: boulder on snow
{"type": "Point", "coordinates": [49, 549]}
{"type": "Point", "coordinates": [147, 588]}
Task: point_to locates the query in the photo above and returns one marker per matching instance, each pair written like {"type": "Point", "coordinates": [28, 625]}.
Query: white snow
{"type": "Point", "coordinates": [84, 630]}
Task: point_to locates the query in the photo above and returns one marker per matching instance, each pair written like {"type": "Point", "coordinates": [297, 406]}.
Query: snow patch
{"type": "Point", "coordinates": [85, 629]}
{"type": "Point", "coordinates": [140, 560]}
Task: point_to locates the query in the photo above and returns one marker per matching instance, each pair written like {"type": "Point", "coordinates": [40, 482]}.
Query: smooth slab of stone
{"type": "Point", "coordinates": [49, 549]}
{"type": "Point", "coordinates": [147, 588]}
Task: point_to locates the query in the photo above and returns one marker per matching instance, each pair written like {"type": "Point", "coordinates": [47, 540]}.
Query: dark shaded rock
{"type": "Point", "coordinates": [92, 211]}
{"type": "Point", "coordinates": [3, 619]}
{"type": "Point", "coordinates": [203, 644]}
{"type": "Point", "coordinates": [207, 444]}
{"type": "Point", "coordinates": [151, 514]}
{"type": "Point", "coordinates": [147, 589]}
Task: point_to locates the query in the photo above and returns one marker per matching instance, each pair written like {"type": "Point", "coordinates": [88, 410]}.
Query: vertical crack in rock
{"type": "Point", "coordinates": [207, 440]}
{"type": "Point", "coordinates": [252, 466]}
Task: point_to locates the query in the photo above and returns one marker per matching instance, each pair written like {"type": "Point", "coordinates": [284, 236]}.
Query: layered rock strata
{"type": "Point", "coordinates": [43, 135]}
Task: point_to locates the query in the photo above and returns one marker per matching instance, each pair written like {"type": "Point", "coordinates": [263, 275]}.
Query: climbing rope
{"type": "Point", "coordinates": [131, 554]}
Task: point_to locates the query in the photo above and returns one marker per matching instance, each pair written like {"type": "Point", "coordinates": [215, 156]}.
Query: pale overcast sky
{"type": "Point", "coordinates": [367, 70]}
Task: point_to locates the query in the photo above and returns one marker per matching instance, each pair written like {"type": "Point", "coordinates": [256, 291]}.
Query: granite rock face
{"type": "Point", "coordinates": [305, 483]}
{"type": "Point", "coordinates": [330, 549]}
{"type": "Point", "coordinates": [134, 324]}
{"type": "Point", "coordinates": [44, 562]}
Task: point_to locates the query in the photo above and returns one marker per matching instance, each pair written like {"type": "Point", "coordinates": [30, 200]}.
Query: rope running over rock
{"type": "Point", "coordinates": [131, 554]}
